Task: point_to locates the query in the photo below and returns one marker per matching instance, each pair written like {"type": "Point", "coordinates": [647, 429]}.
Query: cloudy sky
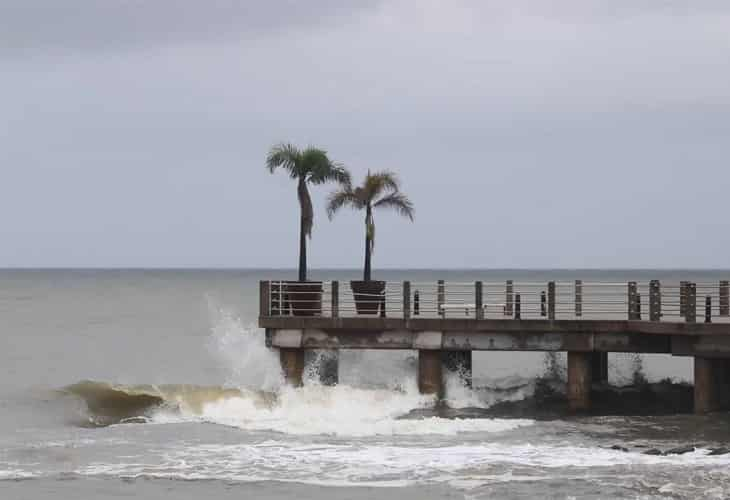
{"type": "Point", "coordinates": [528, 133]}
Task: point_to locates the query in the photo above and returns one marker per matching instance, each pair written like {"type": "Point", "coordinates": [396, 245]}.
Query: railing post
{"type": "Point", "coordinates": [578, 298]}
{"type": "Point", "coordinates": [691, 305]}
{"type": "Point", "coordinates": [655, 301]}
{"type": "Point", "coordinates": [406, 300]}
{"type": "Point", "coordinates": [518, 312]}
{"type": "Point", "coordinates": [264, 298]}
{"type": "Point", "coordinates": [632, 300]}
{"type": "Point", "coordinates": [441, 298]}
{"type": "Point", "coordinates": [708, 309]}
{"type": "Point", "coordinates": [683, 298]}
{"type": "Point", "coordinates": [551, 300]}
{"type": "Point", "coordinates": [335, 299]}
{"type": "Point", "coordinates": [479, 300]}
{"type": "Point", "coordinates": [724, 298]}
{"type": "Point", "coordinates": [543, 303]}
{"type": "Point", "coordinates": [509, 294]}
{"type": "Point", "coordinates": [278, 299]}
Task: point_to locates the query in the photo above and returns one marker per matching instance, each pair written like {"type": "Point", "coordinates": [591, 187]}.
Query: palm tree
{"type": "Point", "coordinates": [307, 166]}
{"type": "Point", "coordinates": [378, 190]}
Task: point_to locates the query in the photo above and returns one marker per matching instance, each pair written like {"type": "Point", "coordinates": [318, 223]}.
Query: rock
{"type": "Point", "coordinates": [619, 448]}
{"type": "Point", "coordinates": [719, 451]}
{"type": "Point", "coordinates": [653, 451]}
{"type": "Point", "coordinates": [680, 450]}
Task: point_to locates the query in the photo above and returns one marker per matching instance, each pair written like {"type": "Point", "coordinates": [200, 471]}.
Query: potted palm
{"type": "Point", "coordinates": [310, 166]}
{"type": "Point", "coordinates": [380, 190]}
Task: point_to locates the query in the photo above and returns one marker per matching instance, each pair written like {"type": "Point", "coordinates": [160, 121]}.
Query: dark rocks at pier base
{"type": "Point", "coordinates": [719, 451]}
{"type": "Point", "coordinates": [680, 450]}
{"type": "Point", "coordinates": [653, 451]}
{"type": "Point", "coordinates": [645, 399]}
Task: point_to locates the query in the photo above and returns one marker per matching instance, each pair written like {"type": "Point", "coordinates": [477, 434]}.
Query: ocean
{"type": "Point", "coordinates": [155, 383]}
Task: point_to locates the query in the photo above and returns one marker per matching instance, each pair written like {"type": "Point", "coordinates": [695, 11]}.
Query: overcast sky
{"type": "Point", "coordinates": [568, 134]}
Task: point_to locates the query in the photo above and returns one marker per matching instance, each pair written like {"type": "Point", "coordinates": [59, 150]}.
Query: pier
{"type": "Point", "coordinates": [446, 322]}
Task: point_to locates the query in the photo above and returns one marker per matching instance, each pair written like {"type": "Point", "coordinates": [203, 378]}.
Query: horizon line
{"type": "Point", "coordinates": [356, 269]}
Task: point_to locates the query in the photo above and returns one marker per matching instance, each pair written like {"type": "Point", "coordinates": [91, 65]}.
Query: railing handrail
{"type": "Point", "coordinates": [576, 299]}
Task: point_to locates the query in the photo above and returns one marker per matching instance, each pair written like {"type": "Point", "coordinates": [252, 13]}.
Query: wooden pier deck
{"type": "Point", "coordinates": [446, 322]}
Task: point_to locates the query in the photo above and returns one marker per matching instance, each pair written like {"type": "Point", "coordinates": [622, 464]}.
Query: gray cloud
{"type": "Point", "coordinates": [529, 134]}
{"type": "Point", "coordinates": [43, 27]}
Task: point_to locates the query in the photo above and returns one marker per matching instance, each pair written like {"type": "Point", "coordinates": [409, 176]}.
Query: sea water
{"type": "Point", "coordinates": [158, 383]}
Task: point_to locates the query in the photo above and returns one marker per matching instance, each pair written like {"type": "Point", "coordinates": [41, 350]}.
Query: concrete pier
{"type": "Point", "coordinates": [579, 381]}
{"type": "Point", "coordinates": [292, 365]}
{"type": "Point", "coordinates": [446, 322]}
{"type": "Point", "coordinates": [430, 379]}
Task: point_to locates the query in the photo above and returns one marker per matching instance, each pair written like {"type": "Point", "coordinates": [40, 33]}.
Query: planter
{"type": "Point", "coordinates": [304, 298]}
{"type": "Point", "coordinates": [369, 296]}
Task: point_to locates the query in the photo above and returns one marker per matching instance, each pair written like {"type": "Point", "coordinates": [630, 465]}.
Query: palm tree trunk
{"type": "Point", "coordinates": [302, 250]}
{"type": "Point", "coordinates": [305, 225]}
{"type": "Point", "coordinates": [367, 274]}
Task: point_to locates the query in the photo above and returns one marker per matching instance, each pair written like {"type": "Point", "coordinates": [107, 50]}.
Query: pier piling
{"type": "Point", "coordinates": [599, 367]}
{"type": "Point", "coordinates": [429, 372]}
{"type": "Point", "coordinates": [292, 365]}
{"type": "Point", "coordinates": [459, 362]}
{"type": "Point", "coordinates": [329, 367]}
{"type": "Point", "coordinates": [579, 381]}
{"type": "Point", "coordinates": [705, 390]}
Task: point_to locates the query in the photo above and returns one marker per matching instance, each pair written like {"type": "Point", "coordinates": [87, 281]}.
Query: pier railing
{"type": "Point", "coordinates": [652, 301]}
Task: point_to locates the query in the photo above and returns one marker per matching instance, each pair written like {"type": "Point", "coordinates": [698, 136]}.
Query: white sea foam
{"type": "Point", "coordinates": [242, 350]}
{"type": "Point", "coordinates": [16, 474]}
{"type": "Point", "coordinates": [372, 407]}
{"type": "Point", "coordinates": [338, 411]}
{"type": "Point", "coordinates": [391, 465]}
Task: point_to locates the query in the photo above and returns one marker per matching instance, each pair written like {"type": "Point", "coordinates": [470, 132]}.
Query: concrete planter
{"type": "Point", "coordinates": [369, 296]}
{"type": "Point", "coordinates": [305, 299]}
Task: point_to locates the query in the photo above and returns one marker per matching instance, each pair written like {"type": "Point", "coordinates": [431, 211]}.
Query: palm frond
{"type": "Point", "coordinates": [323, 173]}
{"type": "Point", "coordinates": [339, 199]}
{"type": "Point", "coordinates": [379, 182]}
{"type": "Point", "coordinates": [398, 202]}
{"type": "Point", "coordinates": [286, 156]}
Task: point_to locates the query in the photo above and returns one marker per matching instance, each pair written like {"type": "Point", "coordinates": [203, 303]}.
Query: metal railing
{"type": "Point", "coordinates": [648, 301]}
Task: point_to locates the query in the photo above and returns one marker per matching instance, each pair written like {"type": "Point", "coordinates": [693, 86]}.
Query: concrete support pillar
{"type": "Point", "coordinates": [326, 363]}
{"type": "Point", "coordinates": [579, 381]}
{"type": "Point", "coordinates": [459, 362]}
{"type": "Point", "coordinates": [599, 367]}
{"type": "Point", "coordinates": [708, 375]}
{"type": "Point", "coordinates": [292, 365]}
{"type": "Point", "coordinates": [429, 372]}
{"type": "Point", "coordinates": [723, 385]}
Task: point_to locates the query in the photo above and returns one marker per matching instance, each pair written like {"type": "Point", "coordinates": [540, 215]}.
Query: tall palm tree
{"type": "Point", "coordinates": [378, 190]}
{"type": "Point", "coordinates": [306, 166]}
